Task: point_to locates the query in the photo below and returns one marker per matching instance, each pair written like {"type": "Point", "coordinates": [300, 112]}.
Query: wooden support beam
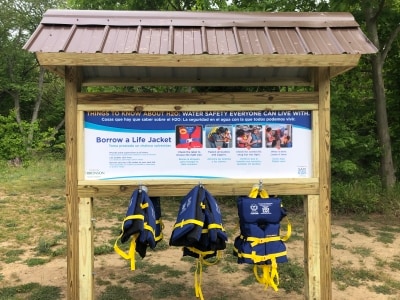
{"type": "Point", "coordinates": [86, 249]}
{"type": "Point", "coordinates": [312, 243]}
{"type": "Point", "coordinates": [72, 85]}
{"type": "Point", "coordinates": [223, 187]}
{"type": "Point", "coordinates": [204, 81]}
{"type": "Point", "coordinates": [198, 102]}
{"type": "Point", "coordinates": [325, 182]}
{"type": "Point", "coordinates": [201, 60]}
{"type": "Point", "coordinates": [312, 262]}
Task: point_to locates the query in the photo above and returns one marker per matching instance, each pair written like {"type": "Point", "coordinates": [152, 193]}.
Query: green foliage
{"type": "Point", "coordinates": [365, 197]}
{"type": "Point", "coordinates": [361, 197]}
{"type": "Point", "coordinates": [279, 5]}
{"type": "Point", "coordinates": [355, 150]}
{"type": "Point", "coordinates": [177, 5]}
{"type": "Point", "coordinates": [14, 141]}
{"type": "Point", "coordinates": [103, 249]}
{"type": "Point", "coordinates": [36, 261]}
{"type": "Point", "coordinates": [291, 277]}
{"type": "Point", "coordinates": [168, 290]}
{"type": "Point", "coordinates": [19, 85]}
{"type": "Point", "coordinates": [116, 292]}
{"type": "Point", "coordinates": [30, 291]}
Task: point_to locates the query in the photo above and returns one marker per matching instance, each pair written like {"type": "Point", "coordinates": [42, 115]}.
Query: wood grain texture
{"type": "Point", "coordinates": [72, 84]}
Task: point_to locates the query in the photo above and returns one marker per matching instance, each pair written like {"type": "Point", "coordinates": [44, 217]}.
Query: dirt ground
{"type": "Point", "coordinates": [110, 269]}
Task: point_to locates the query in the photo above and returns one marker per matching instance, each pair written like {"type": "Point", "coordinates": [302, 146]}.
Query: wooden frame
{"type": "Point", "coordinates": [316, 189]}
{"type": "Point", "coordinates": [75, 52]}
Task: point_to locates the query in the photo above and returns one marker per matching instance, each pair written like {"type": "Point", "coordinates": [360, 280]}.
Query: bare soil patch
{"type": "Point", "coordinates": [352, 249]}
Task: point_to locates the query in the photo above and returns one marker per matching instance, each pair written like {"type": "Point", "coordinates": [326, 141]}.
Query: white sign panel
{"type": "Point", "coordinates": [197, 145]}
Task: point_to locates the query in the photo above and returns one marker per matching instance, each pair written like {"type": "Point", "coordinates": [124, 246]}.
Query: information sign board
{"type": "Point", "coordinates": [196, 145]}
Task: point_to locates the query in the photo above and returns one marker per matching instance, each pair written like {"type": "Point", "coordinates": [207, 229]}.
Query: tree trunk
{"type": "Point", "coordinates": [387, 170]}
{"type": "Point", "coordinates": [36, 109]}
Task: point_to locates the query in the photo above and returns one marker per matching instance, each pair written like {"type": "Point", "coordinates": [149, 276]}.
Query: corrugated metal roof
{"type": "Point", "coordinates": [158, 32]}
{"type": "Point", "coordinates": [195, 33]}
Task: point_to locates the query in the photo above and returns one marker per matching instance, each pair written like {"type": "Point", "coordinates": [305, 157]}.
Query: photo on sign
{"type": "Point", "coordinates": [189, 136]}
{"type": "Point", "coordinates": [279, 136]}
{"type": "Point", "coordinates": [248, 136]}
{"type": "Point", "coordinates": [219, 136]}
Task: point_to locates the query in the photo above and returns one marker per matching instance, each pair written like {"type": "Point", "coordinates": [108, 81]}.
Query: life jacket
{"type": "Point", "coordinates": [159, 223]}
{"type": "Point", "coordinates": [199, 230]}
{"type": "Point", "coordinates": [243, 142]}
{"type": "Point", "coordinates": [211, 134]}
{"type": "Point", "coordinates": [140, 226]}
{"type": "Point", "coordinates": [259, 242]}
{"type": "Point", "coordinates": [190, 137]}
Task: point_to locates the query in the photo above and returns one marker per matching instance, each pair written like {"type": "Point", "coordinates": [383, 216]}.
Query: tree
{"type": "Point", "coordinates": [23, 83]}
{"type": "Point", "coordinates": [178, 5]}
{"type": "Point", "coordinates": [381, 18]}
{"type": "Point", "coordinates": [372, 16]}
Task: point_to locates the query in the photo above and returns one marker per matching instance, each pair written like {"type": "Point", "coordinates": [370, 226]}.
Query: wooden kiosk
{"type": "Point", "coordinates": [132, 48]}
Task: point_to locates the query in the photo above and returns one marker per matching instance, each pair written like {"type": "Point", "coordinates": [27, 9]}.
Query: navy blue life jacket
{"type": "Point", "coordinates": [198, 227]}
{"type": "Point", "coordinates": [159, 223]}
{"type": "Point", "coordinates": [139, 225]}
{"type": "Point", "coordinates": [199, 230]}
{"type": "Point", "coordinates": [259, 242]}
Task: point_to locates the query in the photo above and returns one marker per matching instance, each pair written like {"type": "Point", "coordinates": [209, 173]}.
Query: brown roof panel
{"type": "Point", "coordinates": [269, 47]}
{"type": "Point", "coordinates": [198, 19]}
{"type": "Point", "coordinates": [121, 40]}
{"type": "Point", "coordinates": [186, 33]}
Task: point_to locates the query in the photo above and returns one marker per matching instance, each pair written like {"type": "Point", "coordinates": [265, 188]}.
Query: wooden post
{"type": "Point", "coordinates": [72, 86]}
{"type": "Point", "coordinates": [312, 268]}
{"type": "Point", "coordinates": [312, 262]}
{"type": "Point", "coordinates": [323, 79]}
{"type": "Point", "coordinates": [86, 250]}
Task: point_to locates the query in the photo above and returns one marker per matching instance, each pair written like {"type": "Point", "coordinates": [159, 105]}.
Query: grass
{"type": "Point", "coordinates": [13, 255]}
{"type": "Point", "coordinates": [30, 291]}
{"type": "Point", "coordinates": [167, 290]}
{"type": "Point", "coordinates": [35, 232]}
{"type": "Point", "coordinates": [357, 228]}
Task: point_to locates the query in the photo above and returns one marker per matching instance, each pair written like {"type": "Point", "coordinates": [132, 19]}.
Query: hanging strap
{"type": "Point", "coordinates": [188, 221]}
{"type": "Point", "coordinates": [261, 258]}
{"type": "Point", "coordinates": [257, 191]}
{"type": "Point", "coordinates": [161, 235]}
{"type": "Point", "coordinates": [269, 277]}
{"type": "Point", "coordinates": [132, 250]}
{"type": "Point", "coordinates": [288, 230]}
{"type": "Point", "coordinates": [198, 275]}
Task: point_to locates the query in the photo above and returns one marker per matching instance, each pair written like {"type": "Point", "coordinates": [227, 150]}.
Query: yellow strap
{"type": "Point", "coordinates": [255, 192]}
{"type": "Point", "coordinates": [198, 277]}
{"type": "Point", "coordinates": [264, 194]}
{"type": "Point", "coordinates": [215, 226]}
{"type": "Point", "coordinates": [151, 229]}
{"type": "Point", "coordinates": [261, 258]}
{"type": "Point", "coordinates": [256, 241]}
{"type": "Point", "coordinates": [212, 226]}
{"type": "Point", "coordinates": [161, 235]}
{"type": "Point", "coordinates": [132, 250]}
{"type": "Point", "coordinates": [270, 276]}
{"type": "Point", "coordinates": [288, 230]}
{"type": "Point", "coordinates": [202, 254]}
{"type": "Point", "coordinates": [189, 221]}
{"type": "Point", "coordinates": [132, 217]}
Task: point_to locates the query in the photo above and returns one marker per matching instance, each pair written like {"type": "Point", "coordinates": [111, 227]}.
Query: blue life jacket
{"type": "Point", "coordinates": [259, 242]}
{"type": "Point", "coordinates": [199, 230]}
{"type": "Point", "coordinates": [139, 225]}
{"type": "Point", "coordinates": [199, 223]}
{"type": "Point", "coordinates": [159, 223]}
